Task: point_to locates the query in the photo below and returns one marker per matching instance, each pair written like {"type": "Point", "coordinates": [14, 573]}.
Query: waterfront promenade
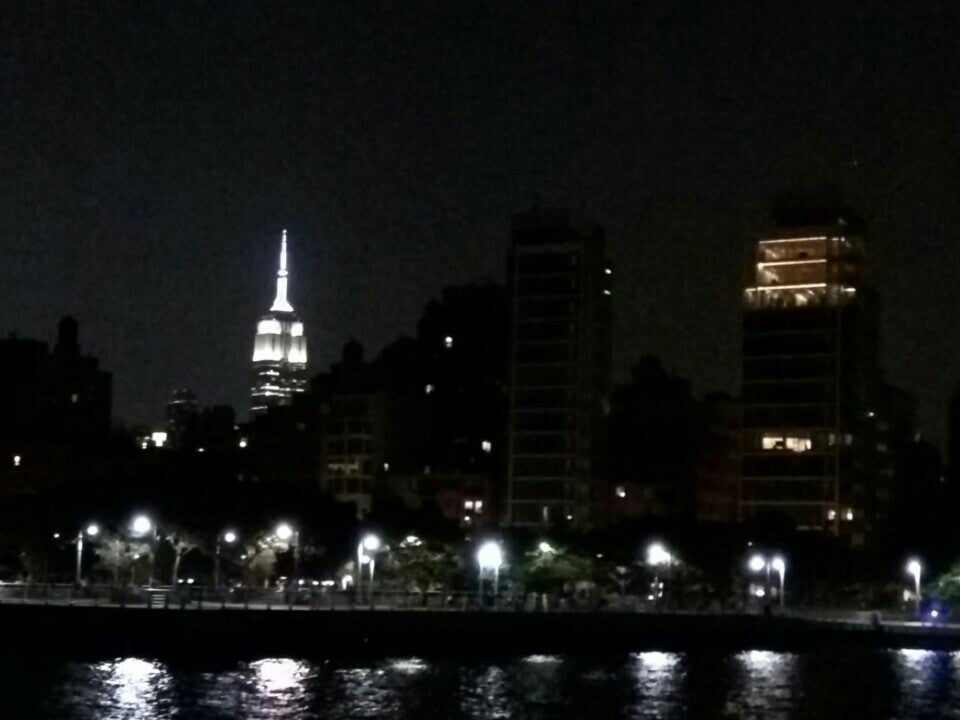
{"type": "Point", "coordinates": [328, 625]}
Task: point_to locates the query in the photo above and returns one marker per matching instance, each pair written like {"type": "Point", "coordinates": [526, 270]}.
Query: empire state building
{"type": "Point", "coordinates": [279, 350]}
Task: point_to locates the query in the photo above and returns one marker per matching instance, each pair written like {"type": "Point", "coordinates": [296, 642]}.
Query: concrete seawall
{"type": "Point", "coordinates": [92, 631]}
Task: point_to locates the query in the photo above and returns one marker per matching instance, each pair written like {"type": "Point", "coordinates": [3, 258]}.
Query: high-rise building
{"type": "Point", "coordinates": [560, 286]}
{"type": "Point", "coordinates": [183, 414]}
{"type": "Point", "coordinates": [810, 377]}
{"type": "Point", "coordinates": [279, 351]}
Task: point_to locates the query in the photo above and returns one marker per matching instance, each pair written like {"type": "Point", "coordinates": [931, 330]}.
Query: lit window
{"type": "Point", "coordinates": [386, 467]}
{"type": "Point", "coordinates": [848, 515]}
{"type": "Point", "coordinates": [569, 517]}
{"type": "Point", "coordinates": [16, 461]}
{"type": "Point", "coordinates": [296, 330]}
{"type": "Point", "coordinates": [831, 514]}
{"type": "Point", "coordinates": [200, 450]}
{"type": "Point", "coordinates": [466, 518]}
{"type": "Point", "coordinates": [448, 342]}
{"type": "Point", "coordinates": [778, 442]}
{"type": "Point", "coordinates": [608, 271]}
{"type": "Point", "coordinates": [159, 438]}
{"type": "Point", "coordinates": [486, 446]}
{"type": "Point", "coordinates": [428, 389]}
{"type": "Point", "coordinates": [143, 444]}
{"type": "Point", "coordinates": [74, 398]}
{"type": "Point", "coordinates": [606, 292]}
{"type": "Point", "coordinates": [848, 439]}
{"type": "Point", "coordinates": [621, 491]}
{"type": "Point", "coordinates": [468, 504]}
{"type": "Point", "coordinates": [478, 506]}
{"type": "Point", "coordinates": [243, 442]}
{"type": "Point", "coordinates": [268, 327]}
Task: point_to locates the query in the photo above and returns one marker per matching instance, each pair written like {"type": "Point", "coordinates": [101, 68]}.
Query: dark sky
{"type": "Point", "coordinates": [150, 157]}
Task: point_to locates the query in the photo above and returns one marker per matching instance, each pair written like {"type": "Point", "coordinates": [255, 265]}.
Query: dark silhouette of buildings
{"type": "Point", "coordinates": [810, 375]}
{"type": "Point", "coordinates": [652, 444]}
{"type": "Point", "coordinates": [424, 423]}
{"type": "Point", "coordinates": [953, 437]}
{"type": "Point", "coordinates": [54, 410]}
{"type": "Point", "coordinates": [560, 346]}
{"type": "Point", "coordinates": [667, 453]}
{"type": "Point", "coordinates": [718, 461]}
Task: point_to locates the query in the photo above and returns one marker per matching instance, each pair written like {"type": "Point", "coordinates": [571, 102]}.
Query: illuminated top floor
{"type": "Point", "coordinates": [805, 266]}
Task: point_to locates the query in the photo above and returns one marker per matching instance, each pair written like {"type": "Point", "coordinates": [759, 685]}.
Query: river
{"type": "Point", "coordinates": [750, 684]}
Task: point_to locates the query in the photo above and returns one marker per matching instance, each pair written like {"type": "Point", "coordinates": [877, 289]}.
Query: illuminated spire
{"type": "Point", "coordinates": [280, 302]}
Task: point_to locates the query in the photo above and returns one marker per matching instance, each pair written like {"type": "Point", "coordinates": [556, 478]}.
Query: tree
{"type": "Point", "coordinates": [182, 543]}
{"type": "Point", "coordinates": [259, 559]}
{"type": "Point", "coordinates": [947, 586]}
{"type": "Point", "coordinates": [420, 566]}
{"type": "Point", "coordinates": [118, 555]}
{"type": "Point", "coordinates": [554, 569]}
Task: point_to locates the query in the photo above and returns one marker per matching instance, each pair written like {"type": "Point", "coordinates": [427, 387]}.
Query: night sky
{"type": "Point", "coordinates": [149, 159]}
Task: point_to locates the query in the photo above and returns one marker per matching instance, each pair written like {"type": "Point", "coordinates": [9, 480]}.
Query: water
{"type": "Point", "coordinates": [753, 684]}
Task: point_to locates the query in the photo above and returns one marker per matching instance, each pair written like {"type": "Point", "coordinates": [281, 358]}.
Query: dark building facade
{"type": "Point", "coordinates": [953, 437]}
{"type": "Point", "coordinates": [425, 421]}
{"type": "Point", "coordinates": [652, 444]}
{"type": "Point", "coordinates": [183, 419]}
{"type": "Point", "coordinates": [54, 409]}
{"type": "Point", "coordinates": [560, 345]}
{"type": "Point", "coordinates": [718, 464]}
{"type": "Point", "coordinates": [810, 376]}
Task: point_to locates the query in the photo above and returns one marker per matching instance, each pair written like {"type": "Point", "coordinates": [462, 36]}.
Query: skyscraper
{"type": "Point", "coordinates": [559, 282]}
{"type": "Point", "coordinates": [279, 350]}
{"type": "Point", "coordinates": [810, 376]}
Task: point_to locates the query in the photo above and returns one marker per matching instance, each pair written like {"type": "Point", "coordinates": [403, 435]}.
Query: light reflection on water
{"type": "Point", "coordinates": [750, 684]}
{"type": "Point", "coordinates": [131, 688]}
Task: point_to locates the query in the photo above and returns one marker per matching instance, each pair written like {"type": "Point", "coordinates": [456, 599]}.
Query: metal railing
{"type": "Point", "coordinates": [195, 597]}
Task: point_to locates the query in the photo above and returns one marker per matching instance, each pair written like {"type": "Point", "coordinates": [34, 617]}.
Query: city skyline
{"type": "Point", "coordinates": [153, 222]}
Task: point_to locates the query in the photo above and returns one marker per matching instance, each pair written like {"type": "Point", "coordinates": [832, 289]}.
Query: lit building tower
{"type": "Point", "coordinates": [810, 377]}
{"type": "Point", "coordinates": [279, 351]}
{"type": "Point", "coordinates": [560, 347]}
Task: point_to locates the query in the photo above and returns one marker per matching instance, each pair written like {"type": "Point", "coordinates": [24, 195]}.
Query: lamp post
{"type": "Point", "coordinates": [780, 566]}
{"type": "Point", "coordinates": [288, 534]}
{"type": "Point", "coordinates": [367, 548]}
{"type": "Point", "coordinates": [92, 530]}
{"type": "Point", "coordinates": [758, 563]}
{"type": "Point", "coordinates": [490, 557]}
{"type": "Point", "coordinates": [915, 569]}
{"type": "Point", "coordinates": [657, 557]}
{"type": "Point", "coordinates": [228, 537]}
{"type": "Point", "coordinates": [140, 527]}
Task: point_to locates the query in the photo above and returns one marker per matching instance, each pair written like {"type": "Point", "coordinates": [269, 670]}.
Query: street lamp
{"type": "Point", "coordinates": [658, 556]}
{"type": "Point", "coordinates": [140, 527]}
{"type": "Point", "coordinates": [916, 569]}
{"type": "Point", "coordinates": [92, 530]}
{"type": "Point", "coordinates": [780, 567]}
{"type": "Point", "coordinates": [229, 537]}
{"type": "Point", "coordinates": [490, 557]}
{"type": "Point", "coordinates": [365, 550]}
{"type": "Point", "coordinates": [286, 533]}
